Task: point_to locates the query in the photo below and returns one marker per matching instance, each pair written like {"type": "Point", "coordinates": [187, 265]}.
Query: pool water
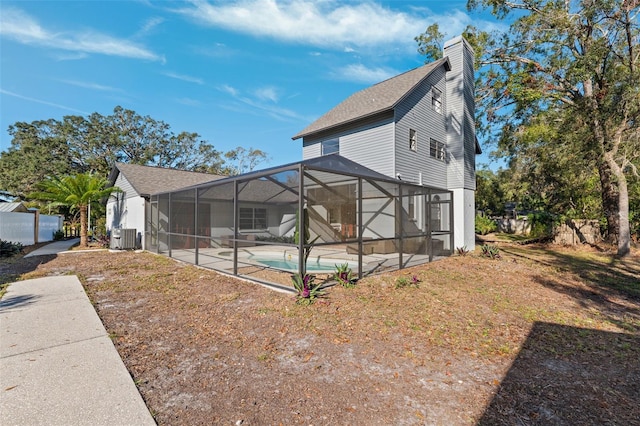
{"type": "Point", "coordinates": [292, 265]}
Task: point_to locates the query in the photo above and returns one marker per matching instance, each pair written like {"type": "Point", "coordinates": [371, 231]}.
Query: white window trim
{"type": "Point", "coordinates": [436, 100]}
{"type": "Point", "coordinates": [440, 150]}
{"type": "Point", "coordinates": [413, 140]}
{"type": "Point", "coordinates": [330, 142]}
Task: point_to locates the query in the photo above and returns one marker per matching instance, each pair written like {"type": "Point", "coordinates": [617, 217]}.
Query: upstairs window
{"type": "Point", "coordinates": [436, 150]}
{"type": "Point", "coordinates": [436, 100]}
{"type": "Point", "coordinates": [413, 140]}
{"type": "Point", "coordinates": [330, 146]}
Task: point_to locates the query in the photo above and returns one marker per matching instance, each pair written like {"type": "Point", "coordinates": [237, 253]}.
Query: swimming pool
{"type": "Point", "coordinates": [288, 262]}
{"type": "Point", "coordinates": [291, 264]}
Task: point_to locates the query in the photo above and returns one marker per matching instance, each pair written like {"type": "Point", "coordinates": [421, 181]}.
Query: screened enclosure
{"type": "Point", "coordinates": [329, 210]}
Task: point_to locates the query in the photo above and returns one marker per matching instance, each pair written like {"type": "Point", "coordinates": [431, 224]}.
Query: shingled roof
{"type": "Point", "coordinates": [147, 180]}
{"type": "Point", "coordinates": [18, 207]}
{"type": "Point", "coordinates": [373, 100]}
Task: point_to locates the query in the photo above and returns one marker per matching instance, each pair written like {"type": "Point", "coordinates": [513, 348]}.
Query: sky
{"type": "Point", "coordinates": [249, 73]}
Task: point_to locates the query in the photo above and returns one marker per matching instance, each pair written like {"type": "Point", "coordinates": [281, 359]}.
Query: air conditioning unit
{"type": "Point", "coordinates": [123, 239]}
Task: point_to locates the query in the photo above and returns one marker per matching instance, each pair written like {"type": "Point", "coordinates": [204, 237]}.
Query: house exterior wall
{"type": "Point", "coordinates": [127, 209]}
{"type": "Point", "coordinates": [460, 113]}
{"type": "Point", "coordinates": [378, 218]}
{"type": "Point", "coordinates": [383, 144]}
{"type": "Point", "coordinates": [370, 143]}
{"type": "Point", "coordinates": [461, 139]}
{"type": "Point", "coordinates": [416, 112]}
{"type": "Point", "coordinates": [464, 218]}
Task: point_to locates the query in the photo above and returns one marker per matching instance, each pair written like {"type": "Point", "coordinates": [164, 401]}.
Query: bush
{"type": "Point", "coordinates": [8, 249]}
{"type": "Point", "coordinates": [490, 251]}
{"type": "Point", "coordinates": [541, 224]}
{"type": "Point", "coordinates": [307, 289]}
{"type": "Point", "coordinates": [344, 276]}
{"type": "Point", "coordinates": [462, 251]}
{"type": "Point", "coordinates": [58, 235]}
{"type": "Point", "coordinates": [402, 282]}
{"type": "Point", "coordinates": [485, 225]}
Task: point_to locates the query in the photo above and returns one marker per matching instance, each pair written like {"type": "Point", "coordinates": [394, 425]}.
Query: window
{"type": "Point", "coordinates": [411, 211]}
{"type": "Point", "coordinates": [252, 218]}
{"type": "Point", "coordinates": [436, 150]}
{"type": "Point", "coordinates": [436, 100]}
{"type": "Point", "coordinates": [413, 140]}
{"type": "Point", "coordinates": [330, 146]}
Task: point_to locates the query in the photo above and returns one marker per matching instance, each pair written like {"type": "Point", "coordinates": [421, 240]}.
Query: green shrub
{"type": "Point", "coordinates": [541, 224]}
{"type": "Point", "coordinates": [307, 289]}
{"type": "Point", "coordinates": [402, 282]}
{"type": "Point", "coordinates": [58, 235]}
{"type": "Point", "coordinates": [462, 251]}
{"type": "Point", "coordinates": [485, 225]}
{"type": "Point", "coordinates": [490, 251]}
{"type": "Point", "coordinates": [344, 276]}
{"type": "Point", "coordinates": [8, 249]}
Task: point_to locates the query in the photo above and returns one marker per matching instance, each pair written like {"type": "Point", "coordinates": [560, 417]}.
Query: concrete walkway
{"type": "Point", "coordinates": [54, 247]}
{"type": "Point", "coordinates": [57, 364]}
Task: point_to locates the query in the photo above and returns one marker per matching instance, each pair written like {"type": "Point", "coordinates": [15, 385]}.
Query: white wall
{"type": "Point", "coordinates": [48, 226]}
{"type": "Point", "coordinates": [20, 227]}
{"type": "Point", "coordinates": [131, 216]}
{"type": "Point", "coordinates": [17, 227]}
{"type": "Point", "coordinates": [464, 218]}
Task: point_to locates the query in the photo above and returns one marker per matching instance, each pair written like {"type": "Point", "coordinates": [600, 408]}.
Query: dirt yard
{"type": "Point", "coordinates": [541, 336]}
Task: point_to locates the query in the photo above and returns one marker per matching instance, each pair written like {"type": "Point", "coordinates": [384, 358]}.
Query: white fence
{"type": "Point", "coordinates": [28, 228]}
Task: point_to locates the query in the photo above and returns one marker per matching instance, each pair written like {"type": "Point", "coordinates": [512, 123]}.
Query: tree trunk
{"type": "Point", "coordinates": [624, 230]}
{"type": "Point", "coordinates": [83, 225]}
{"type": "Point", "coordinates": [610, 202]}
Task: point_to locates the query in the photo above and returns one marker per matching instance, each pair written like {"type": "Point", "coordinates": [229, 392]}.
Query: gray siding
{"type": "Point", "coordinates": [469, 122]}
{"type": "Point", "coordinates": [460, 113]}
{"type": "Point", "coordinates": [370, 144]}
{"type": "Point", "coordinates": [310, 149]}
{"type": "Point", "coordinates": [415, 112]}
{"type": "Point", "coordinates": [125, 186]}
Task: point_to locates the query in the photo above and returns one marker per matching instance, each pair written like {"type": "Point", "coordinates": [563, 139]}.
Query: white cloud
{"type": "Point", "coordinates": [43, 102]}
{"type": "Point", "coordinates": [19, 26]}
{"type": "Point", "coordinates": [257, 106]}
{"type": "Point", "coordinates": [189, 102]}
{"type": "Point", "coordinates": [183, 77]}
{"type": "Point", "coordinates": [70, 56]}
{"type": "Point", "coordinates": [329, 24]}
{"type": "Point", "coordinates": [228, 89]}
{"type": "Point", "coordinates": [268, 93]}
{"type": "Point", "coordinates": [149, 25]}
{"type": "Point", "coordinates": [93, 86]}
{"type": "Point", "coordinates": [360, 73]}
{"type": "Point", "coordinates": [217, 50]}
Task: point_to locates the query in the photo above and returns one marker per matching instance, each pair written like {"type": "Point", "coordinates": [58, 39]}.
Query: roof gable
{"type": "Point", "coordinates": [18, 207]}
{"type": "Point", "coordinates": [147, 180]}
{"type": "Point", "coordinates": [373, 100]}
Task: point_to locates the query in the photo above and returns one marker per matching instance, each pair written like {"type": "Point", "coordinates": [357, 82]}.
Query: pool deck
{"type": "Point", "coordinates": [249, 265]}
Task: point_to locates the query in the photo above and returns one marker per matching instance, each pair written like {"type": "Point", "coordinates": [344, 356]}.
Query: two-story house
{"type": "Point", "coordinates": [417, 127]}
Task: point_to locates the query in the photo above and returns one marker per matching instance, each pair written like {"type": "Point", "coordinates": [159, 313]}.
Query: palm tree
{"type": "Point", "coordinates": [76, 191]}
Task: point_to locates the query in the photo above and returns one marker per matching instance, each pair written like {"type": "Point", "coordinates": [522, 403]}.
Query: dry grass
{"type": "Point", "coordinates": [544, 335]}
